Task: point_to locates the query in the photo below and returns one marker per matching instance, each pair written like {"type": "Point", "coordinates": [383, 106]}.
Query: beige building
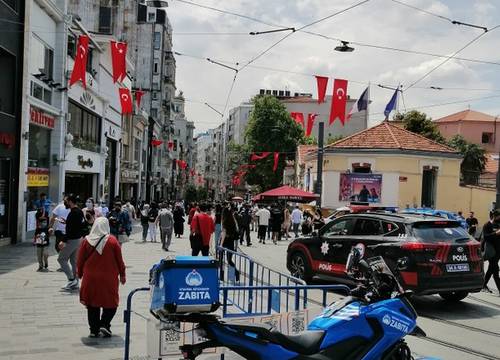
{"type": "Point", "coordinates": [390, 166]}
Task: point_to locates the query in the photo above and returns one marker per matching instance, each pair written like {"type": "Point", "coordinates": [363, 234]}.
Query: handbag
{"type": "Point", "coordinates": [489, 251]}
{"type": "Point", "coordinates": [195, 237]}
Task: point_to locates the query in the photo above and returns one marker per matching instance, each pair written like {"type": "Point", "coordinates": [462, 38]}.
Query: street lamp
{"type": "Point", "coordinates": [344, 47]}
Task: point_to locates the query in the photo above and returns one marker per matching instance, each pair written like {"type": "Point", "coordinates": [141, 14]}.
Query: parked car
{"type": "Point", "coordinates": [434, 212]}
{"type": "Point", "coordinates": [356, 209]}
{"type": "Point", "coordinates": [430, 255]}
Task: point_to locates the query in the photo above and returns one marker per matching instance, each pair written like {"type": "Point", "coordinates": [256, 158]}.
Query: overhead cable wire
{"type": "Point", "coordinates": [450, 57]}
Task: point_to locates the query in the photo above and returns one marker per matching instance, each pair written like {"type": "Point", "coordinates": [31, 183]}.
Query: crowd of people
{"type": "Point", "coordinates": [88, 238]}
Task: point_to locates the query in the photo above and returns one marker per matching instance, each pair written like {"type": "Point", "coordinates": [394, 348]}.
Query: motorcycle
{"type": "Point", "coordinates": [371, 323]}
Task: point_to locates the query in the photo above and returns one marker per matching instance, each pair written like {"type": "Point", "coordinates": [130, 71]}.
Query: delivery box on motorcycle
{"type": "Point", "coordinates": [184, 284]}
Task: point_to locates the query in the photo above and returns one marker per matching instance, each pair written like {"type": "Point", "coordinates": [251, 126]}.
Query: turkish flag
{"type": "Point", "coordinates": [322, 85]}
{"type": "Point", "coordinates": [310, 123]}
{"type": "Point", "coordinates": [156, 142]}
{"type": "Point", "coordinates": [80, 65]}
{"type": "Point", "coordinates": [276, 160]}
{"type": "Point", "coordinates": [126, 101]}
{"type": "Point", "coordinates": [298, 117]}
{"type": "Point", "coordinates": [339, 101]}
{"type": "Point", "coordinates": [138, 97]}
{"type": "Point", "coordinates": [259, 157]}
{"type": "Point", "coordinates": [118, 59]}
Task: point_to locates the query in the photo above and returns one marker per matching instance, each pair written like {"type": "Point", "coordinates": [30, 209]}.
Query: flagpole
{"type": "Point", "coordinates": [368, 106]}
{"type": "Point", "coordinates": [397, 98]}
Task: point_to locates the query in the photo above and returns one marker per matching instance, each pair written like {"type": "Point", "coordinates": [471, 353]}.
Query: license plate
{"type": "Point", "coordinates": [457, 267]}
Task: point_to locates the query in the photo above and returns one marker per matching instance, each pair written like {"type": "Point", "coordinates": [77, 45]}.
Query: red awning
{"type": "Point", "coordinates": [286, 193]}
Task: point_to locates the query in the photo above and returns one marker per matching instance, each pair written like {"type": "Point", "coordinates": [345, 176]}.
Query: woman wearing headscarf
{"type": "Point", "coordinates": [178, 220]}
{"type": "Point", "coordinates": [100, 266]}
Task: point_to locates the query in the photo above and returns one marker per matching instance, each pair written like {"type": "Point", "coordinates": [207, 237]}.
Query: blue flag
{"type": "Point", "coordinates": [391, 105]}
{"type": "Point", "coordinates": [360, 105]}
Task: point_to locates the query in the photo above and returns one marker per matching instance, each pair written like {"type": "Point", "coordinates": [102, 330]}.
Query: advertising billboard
{"type": "Point", "coordinates": [360, 187]}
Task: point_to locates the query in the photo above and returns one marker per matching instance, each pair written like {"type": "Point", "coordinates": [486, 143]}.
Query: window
{"type": "Point", "coordinates": [487, 138]}
{"type": "Point", "coordinates": [125, 152]}
{"type": "Point", "coordinates": [361, 168]}
{"type": "Point", "coordinates": [42, 58]}
{"type": "Point", "coordinates": [152, 17]}
{"type": "Point", "coordinates": [154, 95]}
{"type": "Point", "coordinates": [391, 229]}
{"type": "Point", "coordinates": [105, 20]}
{"type": "Point", "coordinates": [154, 113]}
{"type": "Point", "coordinates": [90, 57]}
{"type": "Point", "coordinates": [137, 149]}
{"type": "Point", "coordinates": [71, 46]}
{"type": "Point", "coordinates": [341, 227]}
{"type": "Point", "coordinates": [156, 67]}
{"type": "Point", "coordinates": [8, 88]}
{"type": "Point", "coordinates": [175, 145]}
{"type": "Point", "coordinates": [157, 40]}
{"type": "Point", "coordinates": [156, 86]}
{"type": "Point", "coordinates": [367, 227]}
{"type": "Point", "coordinates": [40, 92]}
{"type": "Point", "coordinates": [85, 128]}
{"type": "Point", "coordinates": [39, 147]}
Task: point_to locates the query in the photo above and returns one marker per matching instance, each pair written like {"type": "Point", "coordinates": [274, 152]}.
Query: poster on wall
{"type": "Point", "coordinates": [360, 187]}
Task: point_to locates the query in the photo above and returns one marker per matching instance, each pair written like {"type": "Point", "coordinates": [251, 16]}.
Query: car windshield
{"type": "Point", "coordinates": [439, 231]}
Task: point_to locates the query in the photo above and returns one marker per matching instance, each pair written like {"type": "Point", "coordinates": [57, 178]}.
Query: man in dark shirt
{"type": "Point", "coordinates": [491, 233]}
{"type": "Point", "coordinates": [471, 224]}
{"type": "Point", "coordinates": [71, 243]}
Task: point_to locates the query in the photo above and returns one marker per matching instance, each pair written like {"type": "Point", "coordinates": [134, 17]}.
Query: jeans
{"type": "Point", "coordinates": [96, 320]}
{"type": "Point", "coordinates": [262, 232]}
{"type": "Point", "coordinates": [245, 230]}
{"type": "Point", "coordinates": [42, 253]}
{"type": "Point", "coordinates": [493, 270]}
{"type": "Point", "coordinates": [296, 229]}
{"type": "Point", "coordinates": [145, 228]}
{"type": "Point", "coordinates": [152, 232]}
{"type": "Point", "coordinates": [69, 253]}
{"type": "Point", "coordinates": [218, 230]}
{"type": "Point", "coordinates": [166, 237]}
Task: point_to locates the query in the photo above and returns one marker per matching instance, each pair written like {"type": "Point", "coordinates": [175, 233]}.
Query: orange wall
{"type": "Point", "coordinates": [472, 131]}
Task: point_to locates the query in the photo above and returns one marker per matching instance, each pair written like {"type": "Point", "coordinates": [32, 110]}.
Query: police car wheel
{"type": "Point", "coordinates": [454, 296]}
{"type": "Point", "coordinates": [299, 267]}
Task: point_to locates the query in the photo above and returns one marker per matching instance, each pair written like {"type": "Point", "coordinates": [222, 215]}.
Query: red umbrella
{"type": "Point", "coordinates": [287, 193]}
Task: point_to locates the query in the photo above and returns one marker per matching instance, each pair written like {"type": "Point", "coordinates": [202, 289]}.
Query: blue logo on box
{"type": "Point", "coordinates": [194, 278]}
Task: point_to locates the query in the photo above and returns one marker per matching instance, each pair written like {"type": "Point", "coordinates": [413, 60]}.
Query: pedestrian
{"type": "Point", "coordinates": [276, 223]}
{"type": "Point", "coordinates": [245, 220]}
{"type": "Point", "coordinates": [119, 222]}
{"type": "Point", "coordinates": [100, 267]}
{"type": "Point", "coordinates": [229, 238]}
{"type": "Point", "coordinates": [165, 220]}
{"type": "Point", "coordinates": [41, 240]}
{"type": "Point", "coordinates": [130, 209]}
{"type": "Point", "coordinates": [318, 220]}
{"type": "Point", "coordinates": [193, 209]}
{"type": "Point", "coordinates": [286, 222]}
{"type": "Point", "coordinates": [296, 220]}
{"type": "Point", "coordinates": [152, 214]}
{"type": "Point", "coordinates": [104, 209]}
{"type": "Point", "coordinates": [202, 228]}
{"type": "Point", "coordinates": [269, 228]}
{"type": "Point", "coordinates": [472, 224]}
{"type": "Point", "coordinates": [491, 234]}
{"type": "Point", "coordinates": [145, 221]}
{"type": "Point", "coordinates": [57, 225]}
{"type": "Point", "coordinates": [89, 214]}
{"type": "Point", "coordinates": [307, 225]}
{"type": "Point", "coordinates": [44, 202]}
{"type": "Point", "coordinates": [263, 215]}
{"type": "Point", "coordinates": [75, 226]}
{"type": "Point", "coordinates": [178, 220]}
{"type": "Point", "coordinates": [255, 219]}
{"type": "Point", "coordinates": [218, 223]}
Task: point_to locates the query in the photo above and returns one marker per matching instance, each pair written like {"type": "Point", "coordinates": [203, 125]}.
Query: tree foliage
{"type": "Point", "coordinates": [418, 122]}
{"type": "Point", "coordinates": [201, 194]}
{"type": "Point", "coordinates": [334, 139]}
{"type": "Point", "coordinates": [474, 159]}
{"type": "Point", "coordinates": [191, 194]}
{"type": "Point", "coordinates": [270, 128]}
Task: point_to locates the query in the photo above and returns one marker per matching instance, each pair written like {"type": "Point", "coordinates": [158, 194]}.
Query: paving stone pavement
{"type": "Point", "coordinates": [38, 320]}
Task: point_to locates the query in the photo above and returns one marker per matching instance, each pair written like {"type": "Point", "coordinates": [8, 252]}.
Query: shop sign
{"type": "Point", "coordinates": [85, 163]}
{"type": "Point", "coordinates": [7, 139]}
{"type": "Point", "coordinates": [38, 177]}
{"type": "Point", "coordinates": [40, 118]}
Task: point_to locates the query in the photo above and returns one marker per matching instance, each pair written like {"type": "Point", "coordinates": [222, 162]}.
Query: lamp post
{"type": "Point", "coordinates": [149, 163]}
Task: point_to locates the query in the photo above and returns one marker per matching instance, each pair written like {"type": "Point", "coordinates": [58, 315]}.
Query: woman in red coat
{"type": "Point", "coordinates": [100, 265]}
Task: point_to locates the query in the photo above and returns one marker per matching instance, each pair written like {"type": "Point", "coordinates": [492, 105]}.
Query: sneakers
{"type": "Point", "coordinates": [106, 332]}
{"type": "Point", "coordinates": [487, 290]}
{"type": "Point", "coordinates": [60, 270]}
{"type": "Point", "coordinates": [94, 335]}
{"type": "Point", "coordinates": [40, 269]}
{"type": "Point", "coordinates": [72, 285]}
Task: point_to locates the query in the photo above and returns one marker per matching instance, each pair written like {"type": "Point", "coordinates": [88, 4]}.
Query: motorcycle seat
{"type": "Point", "coordinates": [262, 330]}
{"type": "Point", "coordinates": [306, 343]}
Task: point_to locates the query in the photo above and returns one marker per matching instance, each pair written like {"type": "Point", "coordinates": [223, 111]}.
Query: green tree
{"type": "Point", "coordinates": [474, 159]}
{"type": "Point", "coordinates": [201, 194]}
{"type": "Point", "coordinates": [191, 194]}
{"type": "Point", "coordinates": [418, 122]}
{"type": "Point", "coordinates": [334, 139]}
{"type": "Point", "coordinates": [270, 128]}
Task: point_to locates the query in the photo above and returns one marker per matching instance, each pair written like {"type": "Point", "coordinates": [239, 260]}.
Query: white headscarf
{"type": "Point", "coordinates": [99, 229]}
{"type": "Point", "coordinates": [145, 210]}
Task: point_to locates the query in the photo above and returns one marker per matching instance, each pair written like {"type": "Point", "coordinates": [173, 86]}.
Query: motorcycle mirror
{"type": "Point", "coordinates": [353, 259]}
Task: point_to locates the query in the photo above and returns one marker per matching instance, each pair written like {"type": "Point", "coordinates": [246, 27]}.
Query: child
{"type": "Point", "coordinates": [42, 239]}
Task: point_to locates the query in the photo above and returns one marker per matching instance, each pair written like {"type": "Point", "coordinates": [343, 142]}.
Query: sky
{"type": "Point", "coordinates": [376, 22]}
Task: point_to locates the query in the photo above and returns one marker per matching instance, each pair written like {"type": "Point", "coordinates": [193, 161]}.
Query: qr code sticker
{"type": "Point", "coordinates": [170, 338]}
{"type": "Point", "coordinates": [296, 322]}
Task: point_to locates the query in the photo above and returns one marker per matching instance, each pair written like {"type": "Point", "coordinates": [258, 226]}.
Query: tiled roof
{"type": "Point", "coordinates": [491, 165]}
{"type": "Point", "coordinates": [466, 115]}
{"type": "Point", "coordinates": [389, 136]}
{"type": "Point", "coordinates": [303, 150]}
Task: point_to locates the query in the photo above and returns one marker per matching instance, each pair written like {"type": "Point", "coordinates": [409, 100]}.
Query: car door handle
{"type": "Point", "coordinates": [337, 246]}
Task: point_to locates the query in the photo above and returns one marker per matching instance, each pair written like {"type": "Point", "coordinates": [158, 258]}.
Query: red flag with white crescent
{"type": "Point", "coordinates": [156, 142]}
{"type": "Point", "coordinates": [322, 85]}
{"type": "Point", "coordinates": [310, 123]}
{"type": "Point", "coordinates": [339, 101]}
{"type": "Point", "coordinates": [126, 101]}
{"type": "Point", "coordinates": [138, 97]}
{"type": "Point", "coordinates": [118, 59]}
{"type": "Point", "coordinates": [80, 65]}
{"type": "Point", "coordinates": [298, 117]}
{"type": "Point", "coordinates": [263, 155]}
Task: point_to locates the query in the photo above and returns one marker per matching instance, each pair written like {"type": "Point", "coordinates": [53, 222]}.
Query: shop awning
{"type": "Point", "coordinates": [286, 193]}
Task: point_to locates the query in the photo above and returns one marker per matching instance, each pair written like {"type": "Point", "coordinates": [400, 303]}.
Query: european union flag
{"type": "Point", "coordinates": [391, 105]}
